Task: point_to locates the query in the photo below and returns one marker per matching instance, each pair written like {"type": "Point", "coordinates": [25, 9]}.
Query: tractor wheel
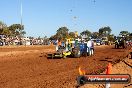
{"type": "Point", "coordinates": [85, 54]}
{"type": "Point", "coordinates": [123, 46]}
{"type": "Point", "coordinates": [77, 54]}
{"type": "Point", "coordinates": [115, 46]}
{"type": "Point", "coordinates": [64, 57]}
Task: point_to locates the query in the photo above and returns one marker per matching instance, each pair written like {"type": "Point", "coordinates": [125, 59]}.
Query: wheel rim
{"type": "Point", "coordinates": [79, 53]}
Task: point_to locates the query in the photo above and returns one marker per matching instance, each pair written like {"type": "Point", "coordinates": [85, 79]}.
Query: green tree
{"type": "Point", "coordinates": [105, 31]}
{"type": "Point", "coordinates": [111, 37]}
{"type": "Point", "coordinates": [13, 30]}
{"type": "Point", "coordinates": [6, 32]}
{"type": "Point", "coordinates": [95, 35]}
{"type": "Point", "coordinates": [53, 37]}
{"type": "Point", "coordinates": [3, 28]}
{"type": "Point", "coordinates": [71, 34]}
{"type": "Point", "coordinates": [16, 29]}
{"type": "Point", "coordinates": [124, 33]}
{"type": "Point", "coordinates": [22, 33]}
{"type": "Point", "coordinates": [86, 33]}
{"type": "Point", "coordinates": [62, 33]}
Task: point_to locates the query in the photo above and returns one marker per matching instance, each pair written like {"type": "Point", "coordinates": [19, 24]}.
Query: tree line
{"type": "Point", "coordinates": [63, 32]}
{"type": "Point", "coordinates": [12, 30]}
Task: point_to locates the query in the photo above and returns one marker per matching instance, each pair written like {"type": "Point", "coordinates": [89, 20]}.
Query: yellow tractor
{"type": "Point", "coordinates": [62, 52]}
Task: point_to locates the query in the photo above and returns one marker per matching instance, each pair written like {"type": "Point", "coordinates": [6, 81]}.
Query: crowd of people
{"type": "Point", "coordinates": [4, 40]}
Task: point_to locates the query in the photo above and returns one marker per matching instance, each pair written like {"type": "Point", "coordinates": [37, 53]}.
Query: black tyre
{"type": "Point", "coordinates": [64, 57]}
{"type": "Point", "coordinates": [85, 54]}
{"type": "Point", "coordinates": [77, 54]}
{"type": "Point", "coordinates": [115, 46]}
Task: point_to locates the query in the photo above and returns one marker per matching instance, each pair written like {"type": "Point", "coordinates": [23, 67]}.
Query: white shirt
{"type": "Point", "coordinates": [89, 43]}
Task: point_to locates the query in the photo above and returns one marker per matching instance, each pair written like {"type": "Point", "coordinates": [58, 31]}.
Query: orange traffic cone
{"type": "Point", "coordinates": [81, 72]}
{"type": "Point", "coordinates": [109, 69]}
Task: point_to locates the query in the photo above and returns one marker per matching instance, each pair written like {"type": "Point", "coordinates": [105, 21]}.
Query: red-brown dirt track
{"type": "Point", "coordinates": [27, 66]}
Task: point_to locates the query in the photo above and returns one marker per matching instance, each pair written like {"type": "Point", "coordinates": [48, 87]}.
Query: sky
{"type": "Point", "coordinates": [45, 17]}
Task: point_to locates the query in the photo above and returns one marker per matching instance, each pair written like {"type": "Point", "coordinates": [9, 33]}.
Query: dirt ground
{"type": "Point", "coordinates": [27, 66]}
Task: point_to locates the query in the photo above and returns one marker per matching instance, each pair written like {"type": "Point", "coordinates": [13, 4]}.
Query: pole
{"type": "Point", "coordinates": [21, 14]}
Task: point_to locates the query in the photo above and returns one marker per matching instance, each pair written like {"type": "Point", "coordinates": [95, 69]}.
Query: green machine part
{"type": "Point", "coordinates": [76, 42]}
